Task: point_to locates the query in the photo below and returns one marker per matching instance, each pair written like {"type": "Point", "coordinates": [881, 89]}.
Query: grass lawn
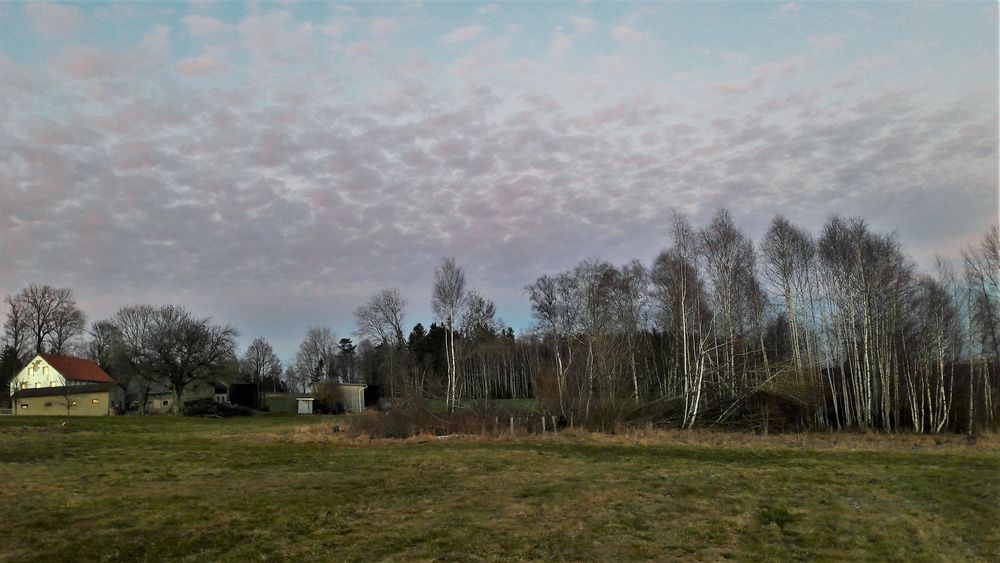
{"type": "Point", "coordinates": [282, 487]}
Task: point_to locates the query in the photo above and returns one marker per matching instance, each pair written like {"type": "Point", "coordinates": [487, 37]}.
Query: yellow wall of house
{"type": "Point", "coordinates": [56, 405]}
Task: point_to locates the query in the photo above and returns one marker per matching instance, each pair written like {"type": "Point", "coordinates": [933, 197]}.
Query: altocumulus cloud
{"type": "Point", "coordinates": [262, 168]}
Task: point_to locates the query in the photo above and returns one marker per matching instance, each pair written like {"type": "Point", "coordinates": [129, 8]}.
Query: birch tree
{"type": "Point", "coordinates": [447, 299]}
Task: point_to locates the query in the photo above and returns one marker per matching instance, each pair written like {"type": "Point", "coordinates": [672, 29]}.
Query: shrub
{"type": "Point", "coordinates": [415, 417]}
{"type": "Point", "coordinates": [208, 408]}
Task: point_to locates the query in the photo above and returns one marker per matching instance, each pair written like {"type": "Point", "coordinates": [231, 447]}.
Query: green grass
{"type": "Point", "coordinates": [283, 487]}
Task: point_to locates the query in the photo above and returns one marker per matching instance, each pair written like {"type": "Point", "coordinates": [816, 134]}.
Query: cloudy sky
{"type": "Point", "coordinates": [272, 165]}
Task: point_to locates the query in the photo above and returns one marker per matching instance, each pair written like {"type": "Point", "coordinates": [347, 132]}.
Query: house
{"type": "Point", "coordinates": [64, 386]}
{"type": "Point", "coordinates": [159, 398]}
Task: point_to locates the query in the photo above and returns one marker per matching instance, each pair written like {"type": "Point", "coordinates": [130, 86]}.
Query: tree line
{"type": "Point", "coordinates": [832, 330]}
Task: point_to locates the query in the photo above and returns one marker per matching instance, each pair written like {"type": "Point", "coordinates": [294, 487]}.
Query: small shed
{"type": "Point", "coordinates": [305, 404]}
{"type": "Point", "coordinates": [351, 395]}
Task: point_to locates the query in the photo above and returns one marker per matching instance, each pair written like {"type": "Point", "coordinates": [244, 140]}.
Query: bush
{"type": "Point", "coordinates": [208, 408]}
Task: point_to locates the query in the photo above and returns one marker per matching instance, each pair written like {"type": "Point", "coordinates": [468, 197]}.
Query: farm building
{"type": "Point", "coordinates": [64, 386]}
{"type": "Point", "coordinates": [160, 398]}
{"type": "Point", "coordinates": [329, 398]}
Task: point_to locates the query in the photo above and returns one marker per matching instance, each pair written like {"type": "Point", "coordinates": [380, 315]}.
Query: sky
{"type": "Point", "coordinates": [273, 165]}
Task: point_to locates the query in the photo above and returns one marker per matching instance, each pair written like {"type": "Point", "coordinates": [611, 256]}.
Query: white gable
{"type": "Point", "coordinates": [37, 374]}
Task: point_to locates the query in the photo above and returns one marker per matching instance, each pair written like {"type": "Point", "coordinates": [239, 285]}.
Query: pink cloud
{"type": "Point", "coordinates": [561, 43]}
{"type": "Point", "coordinates": [54, 19]}
{"type": "Point", "coordinates": [463, 35]}
{"type": "Point", "coordinates": [626, 34]}
{"type": "Point", "coordinates": [582, 24]}
{"type": "Point", "coordinates": [786, 9]}
{"type": "Point", "coordinates": [198, 65]}
{"type": "Point", "coordinates": [827, 41]}
{"type": "Point", "coordinates": [384, 27]}
{"type": "Point", "coordinates": [760, 76]}
{"type": "Point", "coordinates": [202, 26]}
{"type": "Point", "coordinates": [84, 63]}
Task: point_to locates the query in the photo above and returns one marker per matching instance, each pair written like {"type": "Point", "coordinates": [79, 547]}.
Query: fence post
{"type": "Point", "coordinates": [543, 424]}
{"type": "Point", "coordinates": [512, 426]}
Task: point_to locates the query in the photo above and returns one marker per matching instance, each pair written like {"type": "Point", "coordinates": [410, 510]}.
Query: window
{"type": "Point", "coordinates": [52, 384]}
{"type": "Point", "coordinates": [45, 370]}
{"type": "Point", "coordinates": [38, 384]}
{"type": "Point", "coordinates": [95, 401]}
{"type": "Point", "coordinates": [48, 404]}
{"type": "Point", "coordinates": [165, 403]}
{"type": "Point", "coordinates": [24, 406]}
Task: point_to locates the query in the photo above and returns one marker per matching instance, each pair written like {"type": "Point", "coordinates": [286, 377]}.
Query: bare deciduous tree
{"type": "Point", "coordinates": [43, 319]}
{"type": "Point", "coordinates": [316, 357]}
{"type": "Point", "coordinates": [447, 300]}
{"type": "Point", "coordinates": [260, 364]}
{"type": "Point", "coordinates": [381, 318]}
{"type": "Point", "coordinates": [170, 346]}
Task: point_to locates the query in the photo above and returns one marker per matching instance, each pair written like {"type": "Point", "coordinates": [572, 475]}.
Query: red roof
{"type": "Point", "coordinates": [77, 369]}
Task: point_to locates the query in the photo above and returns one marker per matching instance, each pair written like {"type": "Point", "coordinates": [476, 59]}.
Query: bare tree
{"type": "Point", "coordinates": [447, 300]}
{"type": "Point", "coordinates": [16, 329]}
{"type": "Point", "coordinates": [47, 315]}
{"type": "Point", "coordinates": [260, 364]}
{"type": "Point", "coordinates": [381, 318]}
{"type": "Point", "coordinates": [789, 253]}
{"type": "Point", "coordinates": [682, 310]}
{"type": "Point", "coordinates": [316, 357]}
{"type": "Point", "coordinates": [729, 259]}
{"type": "Point", "coordinates": [630, 298]}
{"type": "Point", "coordinates": [171, 347]}
{"type": "Point", "coordinates": [555, 306]}
{"type": "Point", "coordinates": [982, 272]}
{"type": "Point", "coordinates": [100, 348]}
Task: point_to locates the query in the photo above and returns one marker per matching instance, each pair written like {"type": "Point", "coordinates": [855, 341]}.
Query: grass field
{"type": "Point", "coordinates": [274, 487]}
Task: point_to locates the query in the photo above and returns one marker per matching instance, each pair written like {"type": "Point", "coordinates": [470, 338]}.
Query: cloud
{"type": "Point", "coordinates": [760, 76]}
{"type": "Point", "coordinates": [827, 41]}
{"type": "Point", "coordinates": [626, 34]}
{"type": "Point", "coordinates": [734, 57]}
{"type": "Point", "coordinates": [487, 9]}
{"type": "Point", "coordinates": [198, 65]}
{"type": "Point", "coordinates": [560, 44]}
{"type": "Point", "coordinates": [205, 26]}
{"type": "Point", "coordinates": [384, 27]}
{"type": "Point", "coordinates": [83, 63]}
{"type": "Point", "coordinates": [582, 24]}
{"type": "Point", "coordinates": [463, 35]}
{"type": "Point", "coordinates": [275, 37]}
{"type": "Point", "coordinates": [282, 195]}
{"type": "Point", "coordinates": [54, 19]}
{"type": "Point", "coordinates": [786, 9]}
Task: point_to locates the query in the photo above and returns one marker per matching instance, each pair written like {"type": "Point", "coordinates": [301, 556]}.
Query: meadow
{"type": "Point", "coordinates": [286, 487]}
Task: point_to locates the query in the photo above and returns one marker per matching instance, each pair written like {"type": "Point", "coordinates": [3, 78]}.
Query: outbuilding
{"type": "Point", "coordinates": [305, 404]}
